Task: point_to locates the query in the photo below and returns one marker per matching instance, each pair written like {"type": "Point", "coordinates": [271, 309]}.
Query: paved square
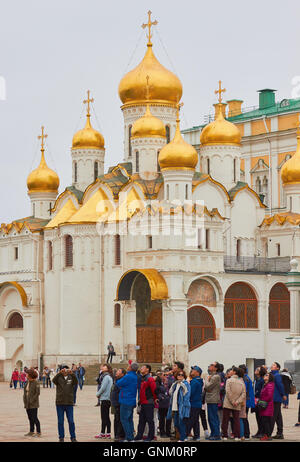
{"type": "Point", "coordinates": [14, 423]}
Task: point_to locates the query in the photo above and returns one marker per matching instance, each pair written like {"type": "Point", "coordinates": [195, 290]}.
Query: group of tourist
{"type": "Point", "coordinates": [171, 403]}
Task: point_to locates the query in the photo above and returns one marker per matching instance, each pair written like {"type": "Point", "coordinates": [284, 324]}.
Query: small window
{"type": "Point", "coordinates": [16, 253]}
{"type": "Point", "coordinates": [200, 234]}
{"type": "Point", "coordinates": [137, 162]}
{"type": "Point", "coordinates": [15, 321]}
{"type": "Point", "coordinates": [278, 250]}
{"type": "Point", "coordinates": [75, 172]}
{"type": "Point", "coordinates": [291, 204]}
{"type": "Point", "coordinates": [150, 242]}
{"type": "Point", "coordinates": [69, 251]}
{"type": "Point", "coordinates": [238, 248]}
{"type": "Point", "coordinates": [129, 141]}
{"type": "Point", "coordinates": [33, 209]}
{"type": "Point", "coordinates": [186, 191]}
{"type": "Point", "coordinates": [117, 317]}
{"type": "Point", "coordinates": [207, 243]}
{"type": "Point", "coordinates": [208, 166]}
{"type": "Point", "coordinates": [158, 166]}
{"type": "Point", "coordinates": [117, 250]}
{"type": "Point", "coordinates": [234, 170]}
{"type": "Point", "coordinates": [95, 170]}
{"type": "Point", "coordinates": [50, 259]}
{"type": "Point", "coordinates": [168, 192]}
{"type": "Point", "coordinates": [168, 133]}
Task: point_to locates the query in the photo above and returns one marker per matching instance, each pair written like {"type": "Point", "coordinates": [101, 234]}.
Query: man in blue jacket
{"type": "Point", "coordinates": [196, 402]}
{"type": "Point", "coordinates": [127, 398]}
{"type": "Point", "coordinates": [279, 396]}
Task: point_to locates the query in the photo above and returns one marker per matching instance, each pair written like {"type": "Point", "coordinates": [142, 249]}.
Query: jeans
{"type": "Point", "coordinates": [146, 416]}
{"type": "Point", "coordinates": [15, 384]}
{"type": "Point", "coordinates": [126, 414]}
{"type": "Point", "coordinates": [193, 423]}
{"type": "Point", "coordinates": [118, 428]}
{"type": "Point", "coordinates": [105, 420]}
{"type": "Point", "coordinates": [286, 401]}
{"type": "Point", "coordinates": [164, 424]}
{"type": "Point", "coordinates": [242, 432]}
{"type": "Point", "coordinates": [74, 393]}
{"type": "Point", "coordinates": [213, 419]}
{"type": "Point", "coordinates": [80, 381]}
{"type": "Point", "coordinates": [277, 418]}
{"type": "Point", "coordinates": [33, 420]}
{"type": "Point", "coordinates": [180, 425]}
{"type": "Point", "coordinates": [61, 410]}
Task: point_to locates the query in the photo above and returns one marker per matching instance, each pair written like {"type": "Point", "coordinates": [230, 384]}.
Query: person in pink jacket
{"type": "Point", "coordinates": [266, 406]}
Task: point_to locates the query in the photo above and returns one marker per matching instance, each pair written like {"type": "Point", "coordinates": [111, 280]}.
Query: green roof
{"type": "Point", "coordinates": [285, 105]}
{"type": "Point", "coordinates": [75, 191]}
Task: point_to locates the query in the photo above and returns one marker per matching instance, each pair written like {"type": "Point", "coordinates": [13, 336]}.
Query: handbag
{"type": "Point", "coordinates": [262, 404]}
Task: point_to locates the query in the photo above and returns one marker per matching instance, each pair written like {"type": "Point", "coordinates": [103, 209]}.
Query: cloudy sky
{"type": "Point", "coordinates": [52, 51]}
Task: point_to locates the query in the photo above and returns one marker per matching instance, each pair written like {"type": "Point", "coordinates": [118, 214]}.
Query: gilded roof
{"type": "Point", "coordinates": [282, 218]}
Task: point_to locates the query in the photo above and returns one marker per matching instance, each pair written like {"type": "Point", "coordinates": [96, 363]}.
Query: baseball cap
{"type": "Point", "coordinates": [197, 368]}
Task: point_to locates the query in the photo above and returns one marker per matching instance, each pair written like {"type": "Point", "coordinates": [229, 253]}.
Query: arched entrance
{"type": "Point", "coordinates": [147, 288]}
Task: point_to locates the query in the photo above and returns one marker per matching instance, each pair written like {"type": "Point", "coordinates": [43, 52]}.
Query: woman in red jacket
{"type": "Point", "coordinates": [15, 377]}
{"type": "Point", "coordinates": [266, 406]}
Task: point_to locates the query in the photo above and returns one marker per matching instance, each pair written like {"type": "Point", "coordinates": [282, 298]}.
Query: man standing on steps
{"type": "Point", "coordinates": [111, 352]}
{"type": "Point", "coordinates": [65, 382]}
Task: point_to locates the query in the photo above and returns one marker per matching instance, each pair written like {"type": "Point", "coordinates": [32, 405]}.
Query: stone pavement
{"type": "Point", "coordinates": [14, 422]}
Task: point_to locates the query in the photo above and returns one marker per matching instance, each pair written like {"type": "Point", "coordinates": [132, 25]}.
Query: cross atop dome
{"type": "Point", "coordinates": [220, 91]}
{"type": "Point", "coordinates": [149, 24]}
{"type": "Point", "coordinates": [88, 101]}
{"type": "Point", "coordinates": [42, 137]}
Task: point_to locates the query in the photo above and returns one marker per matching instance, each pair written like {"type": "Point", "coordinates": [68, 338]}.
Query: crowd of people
{"type": "Point", "coordinates": [171, 403]}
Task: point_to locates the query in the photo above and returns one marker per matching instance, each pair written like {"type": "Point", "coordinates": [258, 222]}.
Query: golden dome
{"type": "Point", "coordinates": [178, 154]}
{"type": "Point", "coordinates": [165, 86]}
{"type": "Point", "coordinates": [220, 131]}
{"type": "Point", "coordinates": [290, 171]}
{"type": "Point", "coordinates": [88, 137]}
{"type": "Point", "coordinates": [42, 179]}
{"type": "Point", "coordinates": [148, 126]}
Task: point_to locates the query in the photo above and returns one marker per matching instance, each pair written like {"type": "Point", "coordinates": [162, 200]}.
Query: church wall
{"type": "Point", "coordinates": [212, 197]}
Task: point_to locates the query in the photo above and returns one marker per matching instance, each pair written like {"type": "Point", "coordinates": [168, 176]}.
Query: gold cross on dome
{"type": "Point", "coordinates": [88, 101]}
{"type": "Point", "coordinates": [178, 106]}
{"type": "Point", "coordinates": [149, 24]}
{"type": "Point", "coordinates": [220, 91]}
{"type": "Point", "coordinates": [42, 137]}
{"type": "Point", "coordinates": [147, 88]}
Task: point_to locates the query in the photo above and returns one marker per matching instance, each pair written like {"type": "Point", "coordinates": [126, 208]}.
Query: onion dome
{"type": "Point", "coordinates": [220, 131]}
{"type": "Point", "coordinates": [165, 86]}
{"type": "Point", "coordinates": [178, 154]}
{"type": "Point", "coordinates": [88, 137]}
{"type": "Point", "coordinates": [148, 126]}
{"type": "Point", "coordinates": [42, 179]}
{"type": "Point", "coordinates": [290, 171]}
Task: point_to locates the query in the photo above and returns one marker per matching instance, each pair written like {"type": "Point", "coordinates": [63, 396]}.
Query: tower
{"type": "Point", "coordinates": [42, 184]}
{"type": "Point", "coordinates": [220, 148]}
{"type": "Point", "coordinates": [148, 136]}
{"type": "Point", "coordinates": [87, 153]}
{"type": "Point", "coordinates": [177, 161]}
{"type": "Point", "coordinates": [165, 92]}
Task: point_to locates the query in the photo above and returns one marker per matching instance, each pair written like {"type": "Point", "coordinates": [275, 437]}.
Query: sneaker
{"type": "Point", "coordinates": [224, 438]}
{"type": "Point", "coordinates": [265, 438]}
{"type": "Point", "coordinates": [237, 439]}
{"type": "Point", "coordinates": [29, 434]}
{"type": "Point", "coordinates": [297, 424]}
{"type": "Point", "coordinates": [206, 433]}
{"type": "Point", "coordinates": [74, 440]}
{"type": "Point", "coordinates": [37, 435]}
{"type": "Point", "coordinates": [108, 435]}
{"type": "Point", "coordinates": [278, 437]}
{"type": "Point", "coordinates": [61, 440]}
{"type": "Point", "coordinates": [101, 435]}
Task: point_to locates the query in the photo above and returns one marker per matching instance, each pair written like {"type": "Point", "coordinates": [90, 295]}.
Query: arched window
{"type": "Point", "coordinates": [279, 307]}
{"type": "Point", "coordinates": [69, 250]}
{"type": "Point", "coordinates": [168, 133]}
{"type": "Point", "coordinates": [240, 307]}
{"type": "Point", "coordinates": [186, 191]}
{"type": "Point", "coordinates": [117, 249]}
{"type": "Point", "coordinates": [168, 192]}
{"type": "Point", "coordinates": [238, 248]}
{"type": "Point", "coordinates": [208, 167]}
{"type": "Point", "coordinates": [50, 256]}
{"type": "Point", "coordinates": [234, 170]}
{"type": "Point", "coordinates": [137, 161]}
{"type": "Point", "coordinates": [117, 315]}
{"type": "Point", "coordinates": [158, 166]}
{"type": "Point", "coordinates": [15, 321]}
{"type": "Point", "coordinates": [201, 327]}
{"type": "Point", "coordinates": [129, 141]}
{"type": "Point", "coordinates": [96, 173]}
{"type": "Point", "coordinates": [75, 172]}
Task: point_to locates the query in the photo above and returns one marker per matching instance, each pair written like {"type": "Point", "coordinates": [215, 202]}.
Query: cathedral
{"type": "Point", "coordinates": [172, 254]}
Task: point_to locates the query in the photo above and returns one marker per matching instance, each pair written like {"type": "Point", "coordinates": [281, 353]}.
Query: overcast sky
{"type": "Point", "coordinates": [52, 51]}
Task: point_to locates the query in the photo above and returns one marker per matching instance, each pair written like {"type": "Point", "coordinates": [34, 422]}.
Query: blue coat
{"type": "Point", "coordinates": [128, 388]}
{"type": "Point", "coordinates": [279, 389]}
{"type": "Point", "coordinates": [250, 403]}
{"type": "Point", "coordinates": [184, 405]}
{"type": "Point", "coordinates": [259, 383]}
{"type": "Point", "coordinates": [196, 392]}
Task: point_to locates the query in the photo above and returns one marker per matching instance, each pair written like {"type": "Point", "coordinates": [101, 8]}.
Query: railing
{"type": "Point", "coordinates": [257, 264]}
